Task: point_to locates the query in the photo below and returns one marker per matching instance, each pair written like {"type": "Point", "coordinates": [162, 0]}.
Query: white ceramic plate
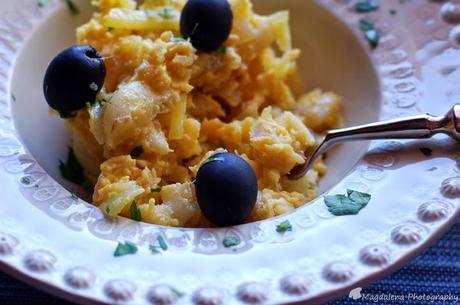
{"type": "Point", "coordinates": [65, 246]}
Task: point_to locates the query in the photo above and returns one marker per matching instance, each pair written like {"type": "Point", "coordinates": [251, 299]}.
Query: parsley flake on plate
{"type": "Point", "coordinates": [125, 248]}
{"type": "Point", "coordinates": [349, 204]}
{"type": "Point", "coordinates": [231, 241]}
{"type": "Point", "coordinates": [135, 212]}
{"type": "Point", "coordinates": [73, 8]}
{"type": "Point", "coordinates": [155, 189]}
{"type": "Point", "coordinates": [426, 151]}
{"type": "Point", "coordinates": [222, 50]}
{"type": "Point", "coordinates": [367, 6]}
{"type": "Point", "coordinates": [26, 180]}
{"type": "Point", "coordinates": [284, 227]}
{"type": "Point", "coordinates": [71, 169]}
{"type": "Point", "coordinates": [41, 3]}
{"type": "Point", "coordinates": [162, 243]}
{"type": "Point", "coordinates": [371, 34]}
{"type": "Point", "coordinates": [178, 293]}
{"type": "Point", "coordinates": [74, 196]}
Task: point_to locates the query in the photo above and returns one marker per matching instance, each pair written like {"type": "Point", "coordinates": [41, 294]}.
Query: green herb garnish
{"type": "Point", "coordinates": [176, 39]}
{"type": "Point", "coordinates": [367, 6]}
{"type": "Point", "coordinates": [284, 227]}
{"type": "Point", "coordinates": [125, 249]}
{"type": "Point", "coordinates": [41, 3]}
{"type": "Point", "coordinates": [222, 50]}
{"type": "Point", "coordinates": [373, 37]}
{"type": "Point", "coordinates": [136, 152]}
{"type": "Point", "coordinates": [231, 241]}
{"type": "Point", "coordinates": [370, 32]}
{"type": "Point", "coordinates": [178, 293]}
{"type": "Point", "coordinates": [162, 243]}
{"type": "Point", "coordinates": [166, 13]}
{"type": "Point", "coordinates": [426, 151]}
{"type": "Point", "coordinates": [74, 196]}
{"type": "Point", "coordinates": [13, 97]}
{"type": "Point", "coordinates": [26, 180]}
{"type": "Point", "coordinates": [366, 25]}
{"type": "Point", "coordinates": [72, 170]}
{"type": "Point", "coordinates": [212, 159]}
{"type": "Point", "coordinates": [349, 204]}
{"type": "Point", "coordinates": [153, 249]}
{"type": "Point", "coordinates": [135, 212]}
{"type": "Point", "coordinates": [103, 101]}
{"type": "Point", "coordinates": [73, 8]}
{"type": "Point", "coordinates": [156, 189]}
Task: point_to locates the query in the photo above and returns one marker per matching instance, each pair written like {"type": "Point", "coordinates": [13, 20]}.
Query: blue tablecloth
{"type": "Point", "coordinates": [434, 274]}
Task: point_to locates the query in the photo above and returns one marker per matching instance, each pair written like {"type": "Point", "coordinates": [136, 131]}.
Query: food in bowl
{"type": "Point", "coordinates": [200, 114]}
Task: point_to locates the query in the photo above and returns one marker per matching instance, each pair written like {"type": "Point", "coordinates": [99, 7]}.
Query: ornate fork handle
{"type": "Point", "coordinates": [414, 127]}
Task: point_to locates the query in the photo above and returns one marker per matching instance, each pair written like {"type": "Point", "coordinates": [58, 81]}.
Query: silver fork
{"type": "Point", "coordinates": [414, 127]}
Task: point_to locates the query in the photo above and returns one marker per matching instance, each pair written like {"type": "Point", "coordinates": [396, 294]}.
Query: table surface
{"type": "Point", "coordinates": [434, 275]}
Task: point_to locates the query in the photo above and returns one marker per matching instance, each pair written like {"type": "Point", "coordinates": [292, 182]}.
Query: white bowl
{"type": "Point", "coordinates": [332, 59]}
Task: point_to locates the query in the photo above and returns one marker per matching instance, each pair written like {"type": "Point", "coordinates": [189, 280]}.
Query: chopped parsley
{"type": "Point", "coordinates": [162, 243]}
{"type": "Point", "coordinates": [41, 3]}
{"type": "Point", "coordinates": [222, 50]}
{"type": "Point", "coordinates": [231, 241]}
{"type": "Point", "coordinates": [349, 204]}
{"type": "Point", "coordinates": [135, 212]}
{"type": "Point", "coordinates": [71, 169]}
{"type": "Point", "coordinates": [366, 25]}
{"type": "Point", "coordinates": [155, 189]}
{"type": "Point", "coordinates": [73, 8]}
{"type": "Point", "coordinates": [367, 6]}
{"type": "Point", "coordinates": [26, 180]}
{"type": "Point", "coordinates": [74, 196]}
{"type": "Point", "coordinates": [136, 152]}
{"type": "Point", "coordinates": [166, 13]}
{"type": "Point", "coordinates": [371, 34]}
{"type": "Point", "coordinates": [13, 97]}
{"type": "Point", "coordinates": [212, 159]}
{"type": "Point", "coordinates": [153, 249]}
{"type": "Point", "coordinates": [178, 293]}
{"type": "Point", "coordinates": [426, 151]}
{"type": "Point", "coordinates": [125, 248]}
{"type": "Point", "coordinates": [284, 227]}
{"type": "Point", "coordinates": [178, 38]}
{"type": "Point", "coordinates": [103, 101]}
{"type": "Point", "coordinates": [373, 37]}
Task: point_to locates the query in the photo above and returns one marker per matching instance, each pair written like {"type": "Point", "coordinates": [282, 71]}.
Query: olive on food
{"type": "Point", "coordinates": [226, 189]}
{"type": "Point", "coordinates": [207, 23]}
{"type": "Point", "coordinates": [73, 78]}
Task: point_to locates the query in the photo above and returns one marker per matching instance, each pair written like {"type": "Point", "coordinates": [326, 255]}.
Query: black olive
{"type": "Point", "coordinates": [73, 78]}
{"type": "Point", "coordinates": [226, 189]}
{"type": "Point", "coordinates": [207, 23]}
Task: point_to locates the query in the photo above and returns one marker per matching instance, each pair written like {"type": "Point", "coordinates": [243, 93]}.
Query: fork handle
{"type": "Point", "coordinates": [414, 127]}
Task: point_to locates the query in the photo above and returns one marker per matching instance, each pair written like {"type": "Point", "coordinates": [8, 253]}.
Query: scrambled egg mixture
{"type": "Point", "coordinates": [166, 107]}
